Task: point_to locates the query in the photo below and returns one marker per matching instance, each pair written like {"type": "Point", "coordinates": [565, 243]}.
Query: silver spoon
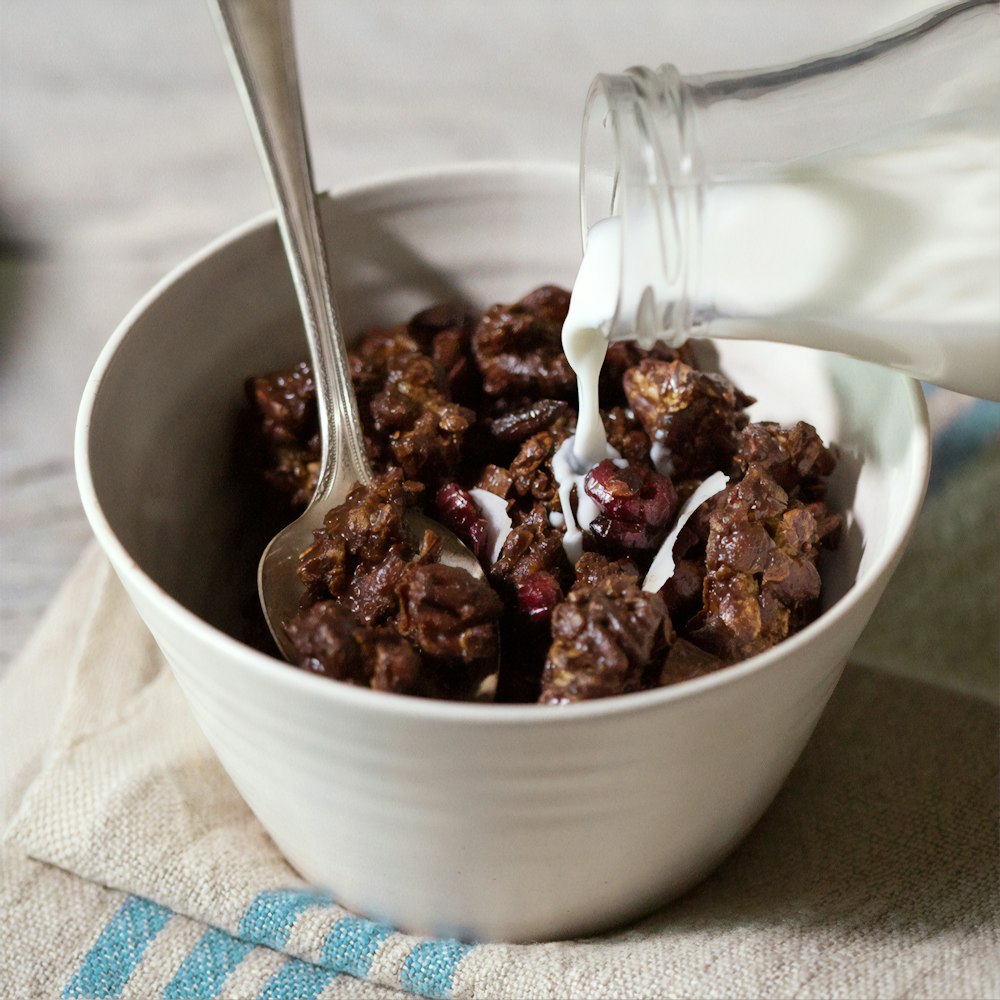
{"type": "Point", "coordinates": [257, 37]}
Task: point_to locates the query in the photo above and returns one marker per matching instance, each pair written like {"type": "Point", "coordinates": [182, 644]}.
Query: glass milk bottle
{"type": "Point", "coordinates": [850, 202]}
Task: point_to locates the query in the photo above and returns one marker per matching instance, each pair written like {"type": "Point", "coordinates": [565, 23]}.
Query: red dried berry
{"type": "Point", "coordinates": [538, 594]}
{"type": "Point", "coordinates": [622, 536]}
{"type": "Point", "coordinates": [631, 493]}
{"type": "Point", "coordinates": [636, 504]}
{"type": "Point", "coordinates": [458, 512]}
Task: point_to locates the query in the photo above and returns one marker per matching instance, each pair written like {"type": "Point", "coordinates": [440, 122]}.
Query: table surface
{"type": "Point", "coordinates": [123, 150]}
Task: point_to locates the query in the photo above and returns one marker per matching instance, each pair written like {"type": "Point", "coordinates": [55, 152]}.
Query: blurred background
{"type": "Point", "coordinates": [123, 150]}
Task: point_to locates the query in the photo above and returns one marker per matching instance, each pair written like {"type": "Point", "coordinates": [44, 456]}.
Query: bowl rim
{"type": "Point", "coordinates": [388, 703]}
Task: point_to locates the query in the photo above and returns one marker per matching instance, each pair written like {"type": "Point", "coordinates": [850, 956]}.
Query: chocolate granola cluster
{"type": "Point", "coordinates": [453, 403]}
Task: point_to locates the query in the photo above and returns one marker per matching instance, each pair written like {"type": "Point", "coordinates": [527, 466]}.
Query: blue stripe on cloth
{"type": "Point", "coordinates": [118, 950]}
{"type": "Point", "coordinates": [297, 980]}
{"type": "Point", "coordinates": [270, 917]}
{"type": "Point", "coordinates": [958, 442]}
{"type": "Point", "coordinates": [352, 943]}
{"type": "Point", "coordinates": [430, 968]}
{"type": "Point", "coordinates": [207, 966]}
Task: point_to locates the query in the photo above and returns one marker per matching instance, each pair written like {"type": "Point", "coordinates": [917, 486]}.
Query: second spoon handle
{"type": "Point", "coordinates": [257, 37]}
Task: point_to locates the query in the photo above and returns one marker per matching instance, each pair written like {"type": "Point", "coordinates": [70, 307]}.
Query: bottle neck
{"type": "Point", "coordinates": [642, 163]}
{"type": "Point", "coordinates": [661, 152]}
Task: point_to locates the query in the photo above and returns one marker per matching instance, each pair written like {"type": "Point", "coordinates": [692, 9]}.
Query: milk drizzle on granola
{"type": "Point", "coordinates": [585, 343]}
{"type": "Point", "coordinates": [569, 473]}
{"type": "Point", "coordinates": [662, 567]}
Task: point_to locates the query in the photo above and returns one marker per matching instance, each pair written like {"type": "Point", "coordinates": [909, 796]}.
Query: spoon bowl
{"type": "Point", "coordinates": [257, 37]}
{"type": "Point", "coordinates": [279, 588]}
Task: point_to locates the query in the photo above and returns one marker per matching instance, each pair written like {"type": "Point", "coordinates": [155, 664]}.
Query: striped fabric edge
{"type": "Point", "coordinates": [350, 945]}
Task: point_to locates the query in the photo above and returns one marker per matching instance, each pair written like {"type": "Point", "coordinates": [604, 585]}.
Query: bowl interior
{"type": "Point", "coordinates": [159, 423]}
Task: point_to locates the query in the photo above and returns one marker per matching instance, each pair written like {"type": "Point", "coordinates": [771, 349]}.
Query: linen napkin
{"type": "Point", "coordinates": [132, 868]}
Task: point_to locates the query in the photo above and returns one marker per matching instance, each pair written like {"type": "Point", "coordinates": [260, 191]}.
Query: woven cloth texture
{"type": "Point", "coordinates": [132, 868]}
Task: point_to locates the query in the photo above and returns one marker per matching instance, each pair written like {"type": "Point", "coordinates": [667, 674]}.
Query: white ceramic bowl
{"type": "Point", "coordinates": [479, 821]}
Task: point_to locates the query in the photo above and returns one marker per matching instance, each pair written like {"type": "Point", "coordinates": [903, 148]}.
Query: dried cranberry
{"type": "Point", "coordinates": [538, 595]}
{"type": "Point", "coordinates": [458, 512]}
{"type": "Point", "coordinates": [636, 504]}
{"type": "Point", "coordinates": [619, 536]}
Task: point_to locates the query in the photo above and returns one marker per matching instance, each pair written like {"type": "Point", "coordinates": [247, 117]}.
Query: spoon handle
{"type": "Point", "coordinates": [257, 37]}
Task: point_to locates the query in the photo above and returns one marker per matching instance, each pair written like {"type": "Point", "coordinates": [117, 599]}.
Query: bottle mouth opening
{"type": "Point", "coordinates": [639, 162]}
